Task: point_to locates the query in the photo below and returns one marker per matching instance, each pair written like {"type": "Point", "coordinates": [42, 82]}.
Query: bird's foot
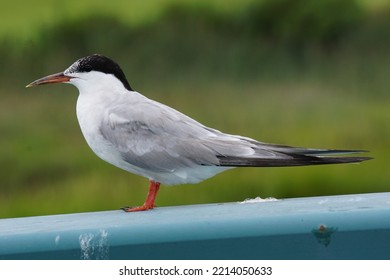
{"type": "Point", "coordinates": [138, 208]}
{"type": "Point", "coordinates": [149, 203]}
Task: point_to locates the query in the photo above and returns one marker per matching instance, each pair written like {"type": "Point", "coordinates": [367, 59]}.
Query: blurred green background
{"type": "Point", "coordinates": [296, 72]}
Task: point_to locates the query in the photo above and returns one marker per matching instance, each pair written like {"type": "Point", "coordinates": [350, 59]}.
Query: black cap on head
{"type": "Point", "coordinates": [97, 62]}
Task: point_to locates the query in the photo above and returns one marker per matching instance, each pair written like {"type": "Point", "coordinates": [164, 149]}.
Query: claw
{"type": "Point", "coordinates": [136, 209]}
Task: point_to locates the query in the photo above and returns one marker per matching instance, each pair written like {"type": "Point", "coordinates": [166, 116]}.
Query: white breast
{"type": "Point", "coordinates": [90, 113]}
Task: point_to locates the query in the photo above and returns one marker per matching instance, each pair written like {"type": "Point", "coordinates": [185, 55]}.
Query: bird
{"type": "Point", "coordinates": [150, 139]}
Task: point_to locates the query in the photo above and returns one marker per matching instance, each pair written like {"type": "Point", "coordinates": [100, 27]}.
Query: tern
{"type": "Point", "coordinates": [150, 139]}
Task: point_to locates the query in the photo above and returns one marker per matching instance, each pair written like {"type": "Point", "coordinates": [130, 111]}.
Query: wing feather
{"type": "Point", "coordinates": [158, 138]}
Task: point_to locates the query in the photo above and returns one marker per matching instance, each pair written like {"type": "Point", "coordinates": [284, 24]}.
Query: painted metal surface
{"type": "Point", "coordinates": [332, 227]}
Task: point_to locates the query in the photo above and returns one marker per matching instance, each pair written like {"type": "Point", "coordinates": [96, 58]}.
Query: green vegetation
{"type": "Point", "coordinates": [303, 73]}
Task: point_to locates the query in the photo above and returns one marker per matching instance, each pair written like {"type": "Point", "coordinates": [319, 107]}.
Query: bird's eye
{"type": "Point", "coordinates": [87, 68]}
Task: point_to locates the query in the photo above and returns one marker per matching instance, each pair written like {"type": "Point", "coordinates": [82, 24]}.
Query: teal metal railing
{"type": "Point", "coordinates": [332, 227]}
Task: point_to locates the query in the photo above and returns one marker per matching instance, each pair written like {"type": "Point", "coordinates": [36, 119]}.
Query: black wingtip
{"type": "Point", "coordinates": [292, 161]}
{"type": "Point", "coordinates": [331, 160]}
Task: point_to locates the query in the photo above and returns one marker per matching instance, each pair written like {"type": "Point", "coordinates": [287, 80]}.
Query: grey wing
{"type": "Point", "coordinates": [158, 138]}
{"type": "Point", "coordinates": [155, 137]}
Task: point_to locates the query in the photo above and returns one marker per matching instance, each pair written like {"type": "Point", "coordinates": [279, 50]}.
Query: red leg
{"type": "Point", "coordinates": [149, 202]}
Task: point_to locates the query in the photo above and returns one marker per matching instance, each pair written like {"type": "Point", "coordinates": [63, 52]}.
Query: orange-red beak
{"type": "Point", "coordinates": [51, 79]}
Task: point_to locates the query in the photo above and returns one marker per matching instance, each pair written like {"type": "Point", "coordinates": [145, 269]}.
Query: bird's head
{"type": "Point", "coordinates": [88, 71]}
